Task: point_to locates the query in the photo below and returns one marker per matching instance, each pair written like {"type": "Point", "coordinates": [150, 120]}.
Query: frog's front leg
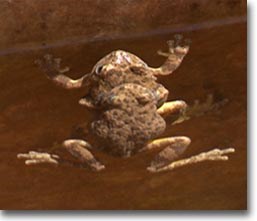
{"type": "Point", "coordinates": [51, 67]}
{"type": "Point", "coordinates": [173, 148]}
{"type": "Point", "coordinates": [79, 149]}
{"type": "Point", "coordinates": [88, 102]}
{"type": "Point", "coordinates": [178, 48]}
{"type": "Point", "coordinates": [171, 107]}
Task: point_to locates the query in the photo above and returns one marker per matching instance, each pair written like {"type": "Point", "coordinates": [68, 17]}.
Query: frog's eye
{"type": "Point", "coordinates": [98, 69]}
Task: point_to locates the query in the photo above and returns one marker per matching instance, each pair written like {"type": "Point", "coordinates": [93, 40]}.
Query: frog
{"type": "Point", "coordinates": [132, 106]}
{"type": "Point", "coordinates": [129, 121]}
{"type": "Point", "coordinates": [116, 68]}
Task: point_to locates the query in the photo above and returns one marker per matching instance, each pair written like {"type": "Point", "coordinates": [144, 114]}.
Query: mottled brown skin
{"type": "Point", "coordinates": [125, 90]}
{"type": "Point", "coordinates": [130, 119]}
{"type": "Point", "coordinates": [116, 68]}
{"type": "Point", "coordinates": [120, 67]}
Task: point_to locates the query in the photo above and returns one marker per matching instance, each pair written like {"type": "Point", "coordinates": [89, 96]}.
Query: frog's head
{"type": "Point", "coordinates": [116, 62]}
{"type": "Point", "coordinates": [120, 67]}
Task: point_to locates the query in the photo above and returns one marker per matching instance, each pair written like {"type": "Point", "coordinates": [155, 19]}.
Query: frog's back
{"type": "Point", "coordinates": [131, 122]}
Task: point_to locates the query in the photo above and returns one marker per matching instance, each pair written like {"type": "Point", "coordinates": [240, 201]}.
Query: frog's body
{"type": "Point", "coordinates": [131, 103]}
{"type": "Point", "coordinates": [130, 119]}
{"type": "Point", "coordinates": [117, 68]}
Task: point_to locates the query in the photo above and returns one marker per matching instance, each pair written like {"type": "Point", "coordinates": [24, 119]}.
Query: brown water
{"type": "Point", "coordinates": [34, 114]}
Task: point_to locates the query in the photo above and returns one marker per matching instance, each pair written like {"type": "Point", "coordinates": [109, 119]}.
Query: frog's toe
{"type": "Point", "coordinates": [96, 166]}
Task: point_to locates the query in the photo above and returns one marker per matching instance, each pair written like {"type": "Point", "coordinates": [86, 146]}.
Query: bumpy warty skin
{"type": "Point", "coordinates": [130, 119]}
{"type": "Point", "coordinates": [120, 67]}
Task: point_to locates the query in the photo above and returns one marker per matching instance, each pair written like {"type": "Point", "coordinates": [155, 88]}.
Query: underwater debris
{"type": "Point", "coordinates": [212, 155]}
{"type": "Point", "coordinates": [33, 157]}
{"type": "Point", "coordinates": [199, 109]}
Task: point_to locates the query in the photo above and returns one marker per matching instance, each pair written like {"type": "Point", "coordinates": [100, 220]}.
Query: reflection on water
{"type": "Point", "coordinates": [162, 31]}
{"type": "Point", "coordinates": [35, 114]}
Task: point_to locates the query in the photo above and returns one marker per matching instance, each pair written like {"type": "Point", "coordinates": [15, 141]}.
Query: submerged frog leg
{"type": "Point", "coordinates": [171, 107]}
{"type": "Point", "coordinates": [178, 48]}
{"type": "Point", "coordinates": [212, 155]}
{"type": "Point", "coordinates": [51, 67]}
{"type": "Point", "coordinates": [173, 148]}
{"type": "Point", "coordinates": [199, 109]}
{"type": "Point", "coordinates": [79, 149]}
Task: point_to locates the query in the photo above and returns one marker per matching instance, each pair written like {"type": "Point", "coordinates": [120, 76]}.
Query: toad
{"type": "Point", "coordinates": [132, 108]}
{"type": "Point", "coordinates": [125, 88]}
{"type": "Point", "coordinates": [116, 68]}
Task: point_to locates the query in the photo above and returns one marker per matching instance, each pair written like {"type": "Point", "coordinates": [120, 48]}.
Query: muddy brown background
{"type": "Point", "coordinates": [35, 114]}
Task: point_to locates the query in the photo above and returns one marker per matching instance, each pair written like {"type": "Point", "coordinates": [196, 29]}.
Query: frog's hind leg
{"type": "Point", "coordinates": [173, 148]}
{"type": "Point", "coordinates": [79, 149]}
{"type": "Point", "coordinates": [171, 107]}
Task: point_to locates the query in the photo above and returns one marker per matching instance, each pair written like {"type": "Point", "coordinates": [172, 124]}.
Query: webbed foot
{"type": "Point", "coordinates": [212, 155]}
{"type": "Point", "coordinates": [34, 157]}
{"type": "Point", "coordinates": [198, 109]}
